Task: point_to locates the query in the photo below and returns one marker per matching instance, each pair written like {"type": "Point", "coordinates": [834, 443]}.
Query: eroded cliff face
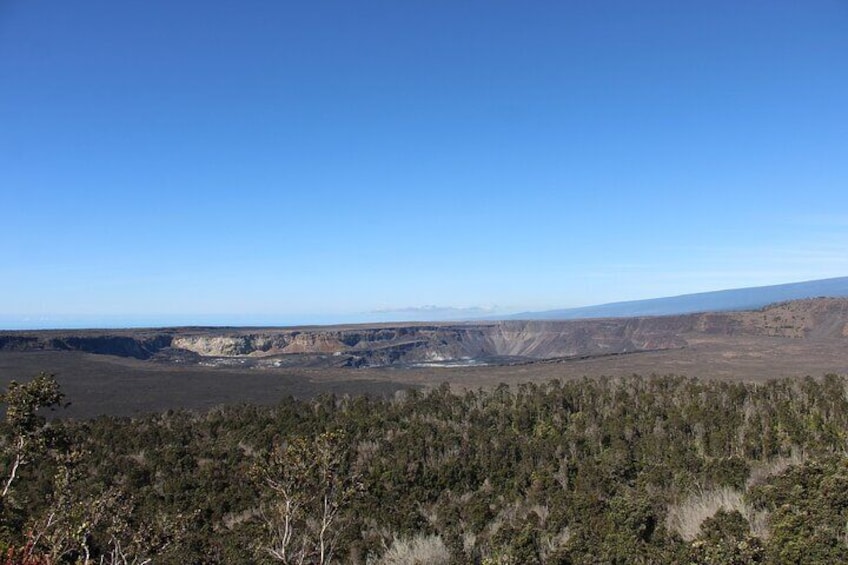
{"type": "Point", "coordinates": [546, 340]}
{"type": "Point", "coordinates": [417, 344]}
{"type": "Point", "coordinates": [222, 345]}
{"type": "Point", "coordinates": [140, 345]}
{"type": "Point", "coordinates": [315, 341]}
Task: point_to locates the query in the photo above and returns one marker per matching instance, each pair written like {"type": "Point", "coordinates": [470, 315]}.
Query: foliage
{"type": "Point", "coordinates": [28, 435]}
{"type": "Point", "coordinates": [308, 484]}
{"type": "Point", "coordinates": [637, 470]}
{"type": "Point", "coordinates": [726, 539]}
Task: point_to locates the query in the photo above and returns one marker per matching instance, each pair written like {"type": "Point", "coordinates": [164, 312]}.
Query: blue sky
{"type": "Point", "coordinates": [285, 162]}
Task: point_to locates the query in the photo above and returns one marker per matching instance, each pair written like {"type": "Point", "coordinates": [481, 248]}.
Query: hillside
{"type": "Point", "coordinates": [717, 301]}
{"type": "Point", "coordinates": [497, 343]}
{"type": "Point", "coordinates": [128, 372]}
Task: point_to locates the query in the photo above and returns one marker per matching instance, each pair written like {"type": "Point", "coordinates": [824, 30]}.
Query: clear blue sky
{"type": "Point", "coordinates": [282, 162]}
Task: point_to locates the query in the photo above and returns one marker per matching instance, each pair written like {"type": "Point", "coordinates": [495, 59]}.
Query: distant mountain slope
{"type": "Point", "coordinates": [717, 301]}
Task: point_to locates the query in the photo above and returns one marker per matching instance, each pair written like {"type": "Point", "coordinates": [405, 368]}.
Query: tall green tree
{"type": "Point", "coordinates": [27, 433]}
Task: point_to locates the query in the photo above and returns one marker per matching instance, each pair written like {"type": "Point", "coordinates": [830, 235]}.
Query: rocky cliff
{"type": "Point", "coordinates": [411, 344]}
{"type": "Point", "coordinates": [126, 344]}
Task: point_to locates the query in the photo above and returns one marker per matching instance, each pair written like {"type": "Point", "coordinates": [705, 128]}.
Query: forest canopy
{"type": "Point", "coordinates": [661, 469]}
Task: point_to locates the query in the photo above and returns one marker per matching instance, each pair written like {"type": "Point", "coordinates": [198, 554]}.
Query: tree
{"type": "Point", "coordinates": [307, 483]}
{"type": "Point", "coordinates": [28, 432]}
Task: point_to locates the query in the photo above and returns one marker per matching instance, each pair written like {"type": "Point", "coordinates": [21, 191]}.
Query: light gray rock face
{"type": "Point", "coordinates": [417, 344]}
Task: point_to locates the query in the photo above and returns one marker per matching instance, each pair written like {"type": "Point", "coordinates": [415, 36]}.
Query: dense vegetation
{"type": "Point", "coordinates": [635, 470]}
